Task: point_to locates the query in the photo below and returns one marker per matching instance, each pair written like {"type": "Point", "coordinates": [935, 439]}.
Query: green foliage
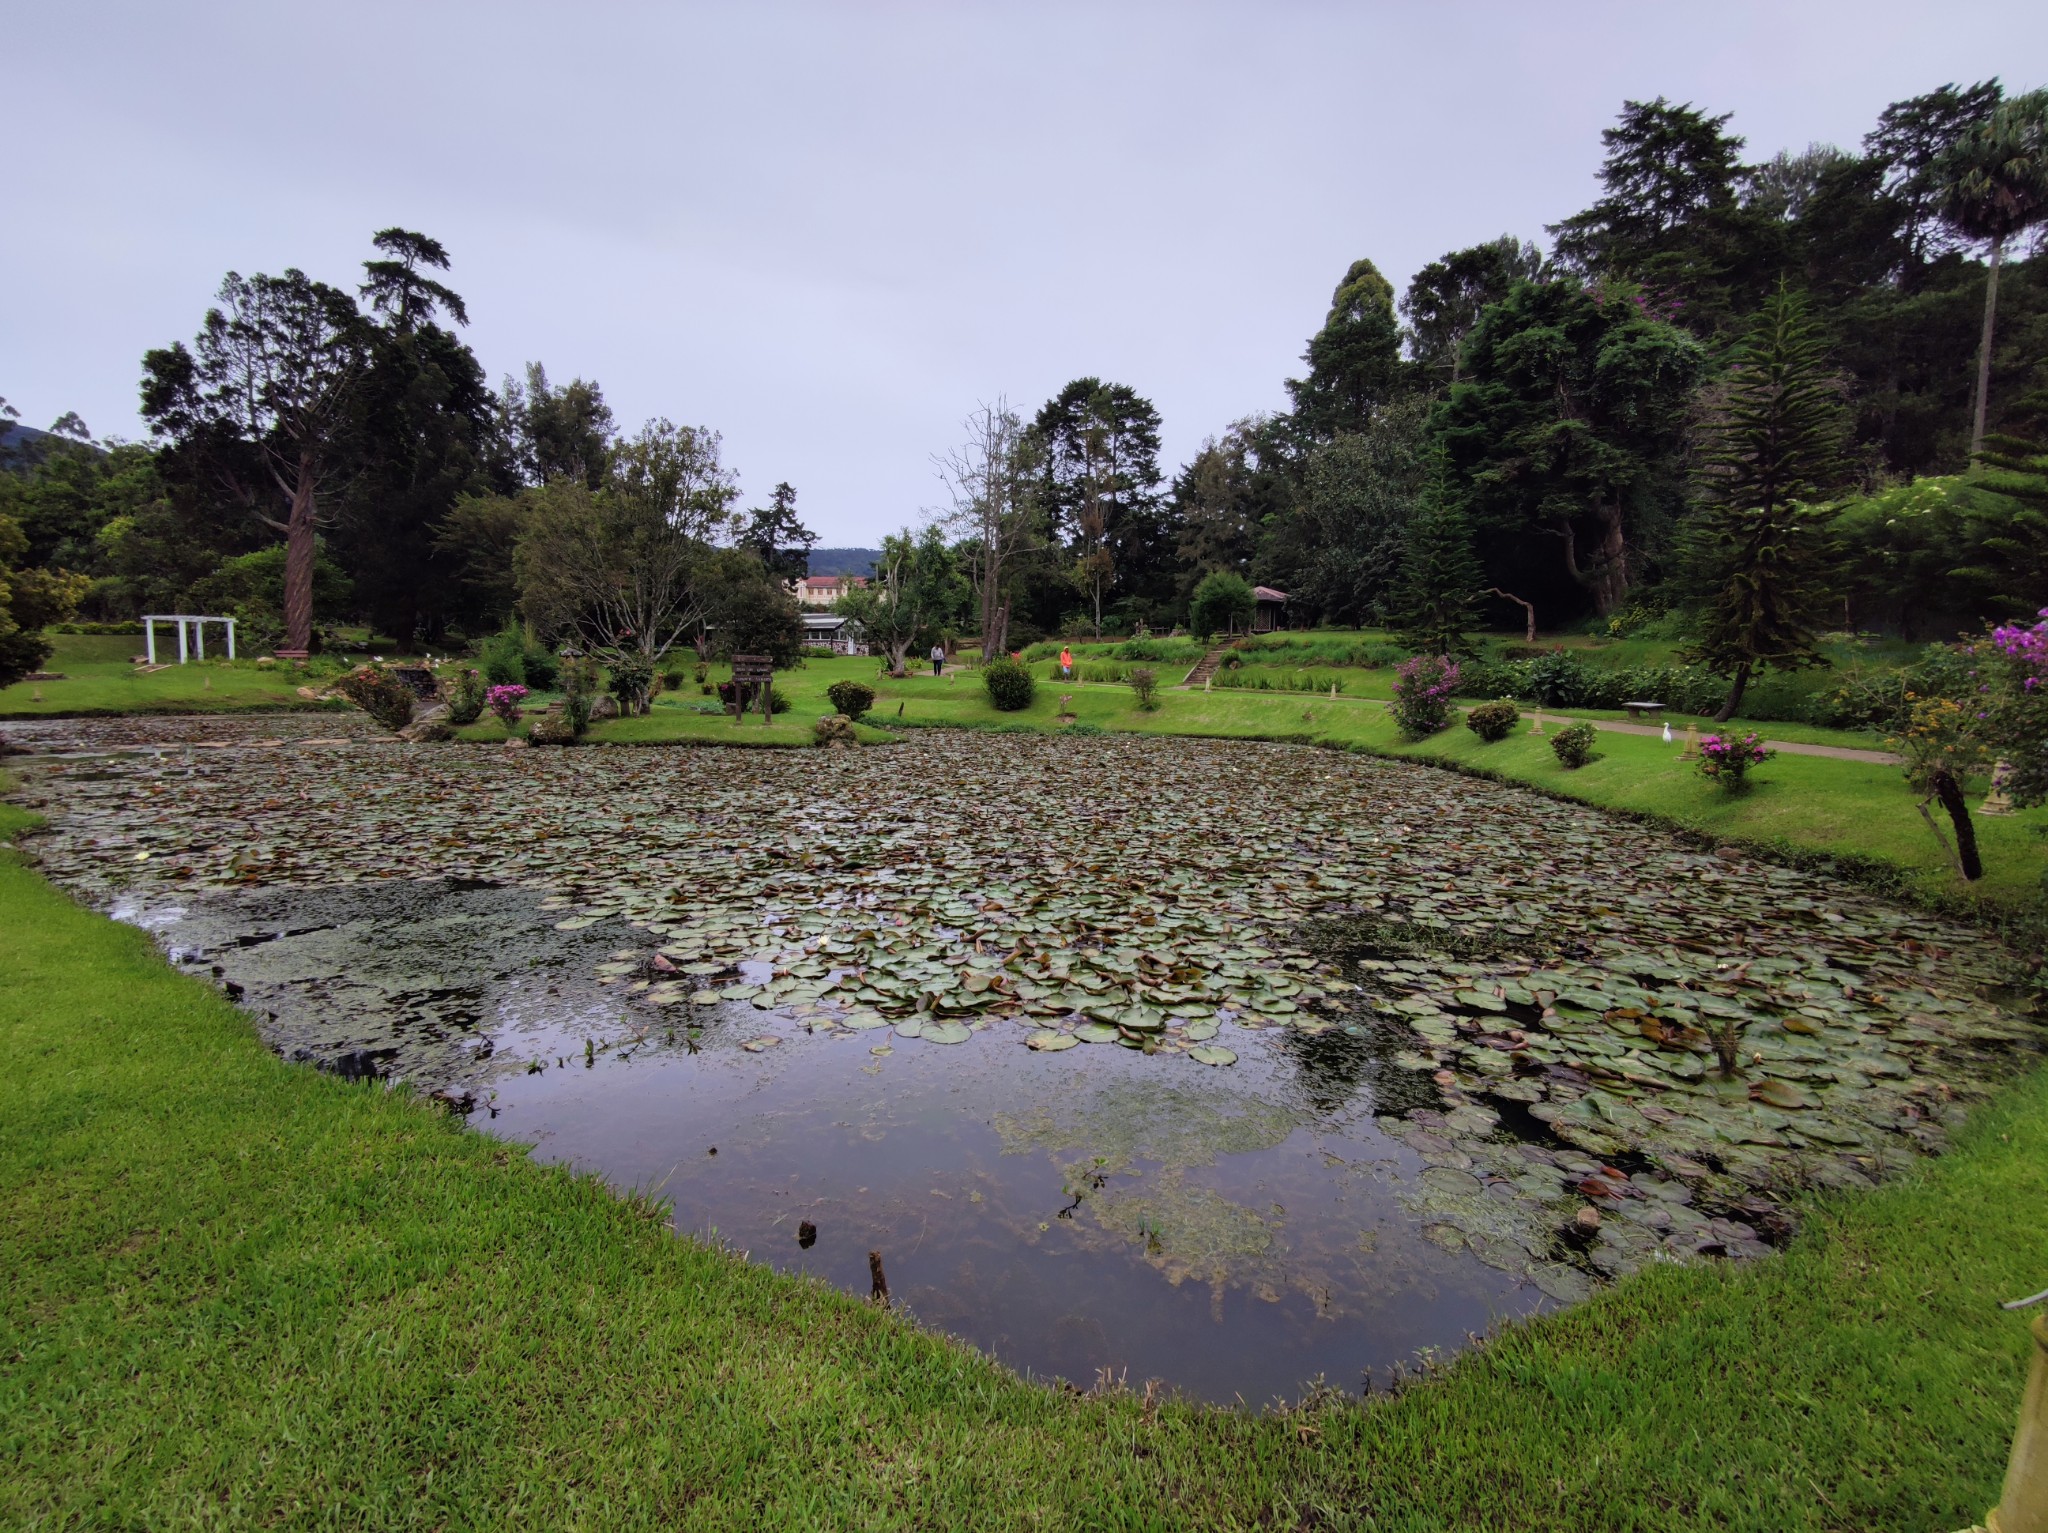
{"type": "Point", "coordinates": [1339, 552]}
{"type": "Point", "coordinates": [1573, 745]}
{"type": "Point", "coordinates": [1354, 361]}
{"type": "Point", "coordinates": [1493, 721]}
{"type": "Point", "coordinates": [581, 679]}
{"type": "Point", "coordinates": [1145, 682]}
{"type": "Point", "coordinates": [751, 613]}
{"type": "Point", "coordinates": [30, 601]}
{"type": "Point", "coordinates": [250, 589]}
{"type": "Point", "coordinates": [1009, 683]}
{"type": "Point", "coordinates": [378, 693]}
{"type": "Point", "coordinates": [1568, 429]}
{"type": "Point", "coordinates": [917, 590]}
{"type": "Point", "coordinates": [508, 657]}
{"type": "Point", "coordinates": [465, 693]}
{"type": "Point", "coordinates": [1222, 602]}
{"type": "Point", "coordinates": [1758, 548]}
{"type": "Point", "coordinates": [851, 698]}
{"type": "Point", "coordinates": [1433, 604]}
{"type": "Point", "coordinates": [630, 679]}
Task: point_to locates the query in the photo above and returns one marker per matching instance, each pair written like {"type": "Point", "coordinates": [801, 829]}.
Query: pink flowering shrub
{"type": "Point", "coordinates": [504, 702]}
{"type": "Point", "coordinates": [1422, 694]}
{"type": "Point", "coordinates": [2013, 705]}
{"type": "Point", "coordinates": [1728, 758]}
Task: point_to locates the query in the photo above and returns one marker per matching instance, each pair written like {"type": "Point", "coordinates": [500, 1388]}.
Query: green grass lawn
{"type": "Point", "coordinates": [241, 1292]}
{"type": "Point", "coordinates": [100, 678]}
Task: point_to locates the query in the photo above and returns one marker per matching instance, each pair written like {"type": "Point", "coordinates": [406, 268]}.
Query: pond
{"type": "Point", "coordinates": [1231, 1065]}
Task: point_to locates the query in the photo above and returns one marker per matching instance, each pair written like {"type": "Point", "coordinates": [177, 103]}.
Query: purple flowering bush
{"type": "Point", "coordinates": [1422, 694]}
{"type": "Point", "coordinates": [2013, 705]}
{"type": "Point", "coordinates": [1728, 758]}
{"type": "Point", "coordinates": [504, 701]}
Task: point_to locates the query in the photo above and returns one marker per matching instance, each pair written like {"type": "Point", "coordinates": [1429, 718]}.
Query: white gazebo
{"type": "Point", "coordinates": [191, 634]}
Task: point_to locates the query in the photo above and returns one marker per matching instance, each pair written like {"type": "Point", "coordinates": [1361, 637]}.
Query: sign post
{"type": "Point", "coordinates": [752, 675]}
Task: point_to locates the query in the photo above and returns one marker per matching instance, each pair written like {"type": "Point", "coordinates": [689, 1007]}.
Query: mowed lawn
{"type": "Point", "coordinates": [241, 1292]}
{"type": "Point", "coordinates": [100, 677]}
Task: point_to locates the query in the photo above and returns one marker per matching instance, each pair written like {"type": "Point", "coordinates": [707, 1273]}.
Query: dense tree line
{"type": "Point", "coordinates": [1568, 413]}
{"type": "Point", "coordinates": [1596, 432]}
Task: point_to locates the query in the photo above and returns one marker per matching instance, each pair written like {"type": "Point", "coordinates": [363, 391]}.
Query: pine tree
{"type": "Point", "coordinates": [1438, 591]}
{"type": "Point", "coordinates": [1759, 549]}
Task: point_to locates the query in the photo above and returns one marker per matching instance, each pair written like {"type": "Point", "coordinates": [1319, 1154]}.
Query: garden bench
{"type": "Point", "coordinates": [1642, 710]}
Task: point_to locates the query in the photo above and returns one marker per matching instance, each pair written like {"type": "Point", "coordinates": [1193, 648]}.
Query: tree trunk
{"type": "Point", "coordinates": [1606, 574]}
{"type": "Point", "coordinates": [1950, 792]}
{"type": "Point", "coordinates": [299, 549]}
{"type": "Point", "coordinates": [1528, 609]}
{"type": "Point", "coordinates": [1984, 351]}
{"type": "Point", "coordinates": [1734, 694]}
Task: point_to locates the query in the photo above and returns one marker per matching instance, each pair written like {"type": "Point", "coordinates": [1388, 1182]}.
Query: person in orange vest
{"type": "Point", "coordinates": [1066, 663]}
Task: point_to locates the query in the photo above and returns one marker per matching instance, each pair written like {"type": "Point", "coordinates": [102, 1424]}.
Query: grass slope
{"type": "Point", "coordinates": [101, 678]}
{"type": "Point", "coordinates": [240, 1292]}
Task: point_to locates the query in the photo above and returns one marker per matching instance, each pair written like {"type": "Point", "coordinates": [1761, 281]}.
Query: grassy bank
{"type": "Point", "coordinates": [243, 1292]}
{"type": "Point", "coordinates": [100, 677]}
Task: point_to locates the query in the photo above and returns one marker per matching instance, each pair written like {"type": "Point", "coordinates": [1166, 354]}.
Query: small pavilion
{"type": "Point", "coordinates": [191, 634]}
{"type": "Point", "coordinates": [1271, 609]}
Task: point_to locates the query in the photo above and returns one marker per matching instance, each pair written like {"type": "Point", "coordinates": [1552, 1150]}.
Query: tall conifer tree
{"type": "Point", "coordinates": [1758, 548]}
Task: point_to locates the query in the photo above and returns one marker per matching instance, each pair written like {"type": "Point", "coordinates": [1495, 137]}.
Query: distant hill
{"type": "Point", "coordinates": [843, 561]}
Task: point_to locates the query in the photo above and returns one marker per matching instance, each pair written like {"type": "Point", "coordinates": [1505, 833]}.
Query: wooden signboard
{"type": "Point", "coordinates": [752, 677]}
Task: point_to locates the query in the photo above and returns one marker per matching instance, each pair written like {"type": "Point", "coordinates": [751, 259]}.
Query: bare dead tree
{"type": "Point", "coordinates": [994, 511]}
{"type": "Point", "coordinates": [1528, 608]}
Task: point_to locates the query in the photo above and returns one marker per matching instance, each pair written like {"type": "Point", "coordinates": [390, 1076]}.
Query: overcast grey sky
{"type": "Point", "coordinates": [827, 230]}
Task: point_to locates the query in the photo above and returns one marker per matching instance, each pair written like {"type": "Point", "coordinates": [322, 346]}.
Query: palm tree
{"type": "Point", "coordinates": [1997, 187]}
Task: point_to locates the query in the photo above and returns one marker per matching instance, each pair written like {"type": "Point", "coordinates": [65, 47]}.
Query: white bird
{"type": "Point", "coordinates": [1667, 731]}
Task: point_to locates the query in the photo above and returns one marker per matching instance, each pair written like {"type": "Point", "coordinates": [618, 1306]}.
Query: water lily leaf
{"type": "Point", "coordinates": [1211, 1054]}
{"type": "Point", "coordinates": [759, 1045]}
{"type": "Point", "coordinates": [1096, 1032]}
{"type": "Point", "coordinates": [1781, 1093]}
{"type": "Point", "coordinates": [946, 1032]}
{"type": "Point", "coordinates": [1045, 1040]}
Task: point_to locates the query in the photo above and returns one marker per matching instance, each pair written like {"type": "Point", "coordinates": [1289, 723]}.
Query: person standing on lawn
{"type": "Point", "coordinates": [938, 659]}
{"type": "Point", "coordinates": [1066, 663]}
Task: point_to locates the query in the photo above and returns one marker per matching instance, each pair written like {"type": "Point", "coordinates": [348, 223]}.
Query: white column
{"type": "Point", "coordinates": [199, 638]}
{"type": "Point", "coordinates": [231, 638]}
{"type": "Point", "coordinates": [149, 637]}
{"type": "Point", "coordinates": [181, 641]}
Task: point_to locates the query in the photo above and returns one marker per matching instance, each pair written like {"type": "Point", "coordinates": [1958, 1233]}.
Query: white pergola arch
{"type": "Point", "coordinates": [191, 634]}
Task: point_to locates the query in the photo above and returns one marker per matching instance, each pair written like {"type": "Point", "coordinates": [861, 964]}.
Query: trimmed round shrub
{"type": "Point", "coordinates": [852, 698]}
{"type": "Point", "coordinates": [1493, 721]}
{"type": "Point", "coordinates": [1574, 746]}
{"type": "Point", "coordinates": [1009, 684]}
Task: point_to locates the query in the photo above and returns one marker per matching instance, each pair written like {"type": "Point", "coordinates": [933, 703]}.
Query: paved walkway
{"type": "Point", "coordinates": [1617, 726]}
{"type": "Point", "coordinates": [1788, 747]}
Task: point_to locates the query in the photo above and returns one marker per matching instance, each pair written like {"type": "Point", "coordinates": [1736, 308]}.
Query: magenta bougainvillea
{"type": "Point", "coordinates": [1422, 694]}
{"type": "Point", "coordinates": [1728, 758]}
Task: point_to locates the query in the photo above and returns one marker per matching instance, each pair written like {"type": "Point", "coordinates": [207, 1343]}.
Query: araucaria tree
{"type": "Point", "coordinates": [1433, 604]}
{"type": "Point", "coordinates": [265, 403]}
{"type": "Point", "coordinates": [1758, 547]}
